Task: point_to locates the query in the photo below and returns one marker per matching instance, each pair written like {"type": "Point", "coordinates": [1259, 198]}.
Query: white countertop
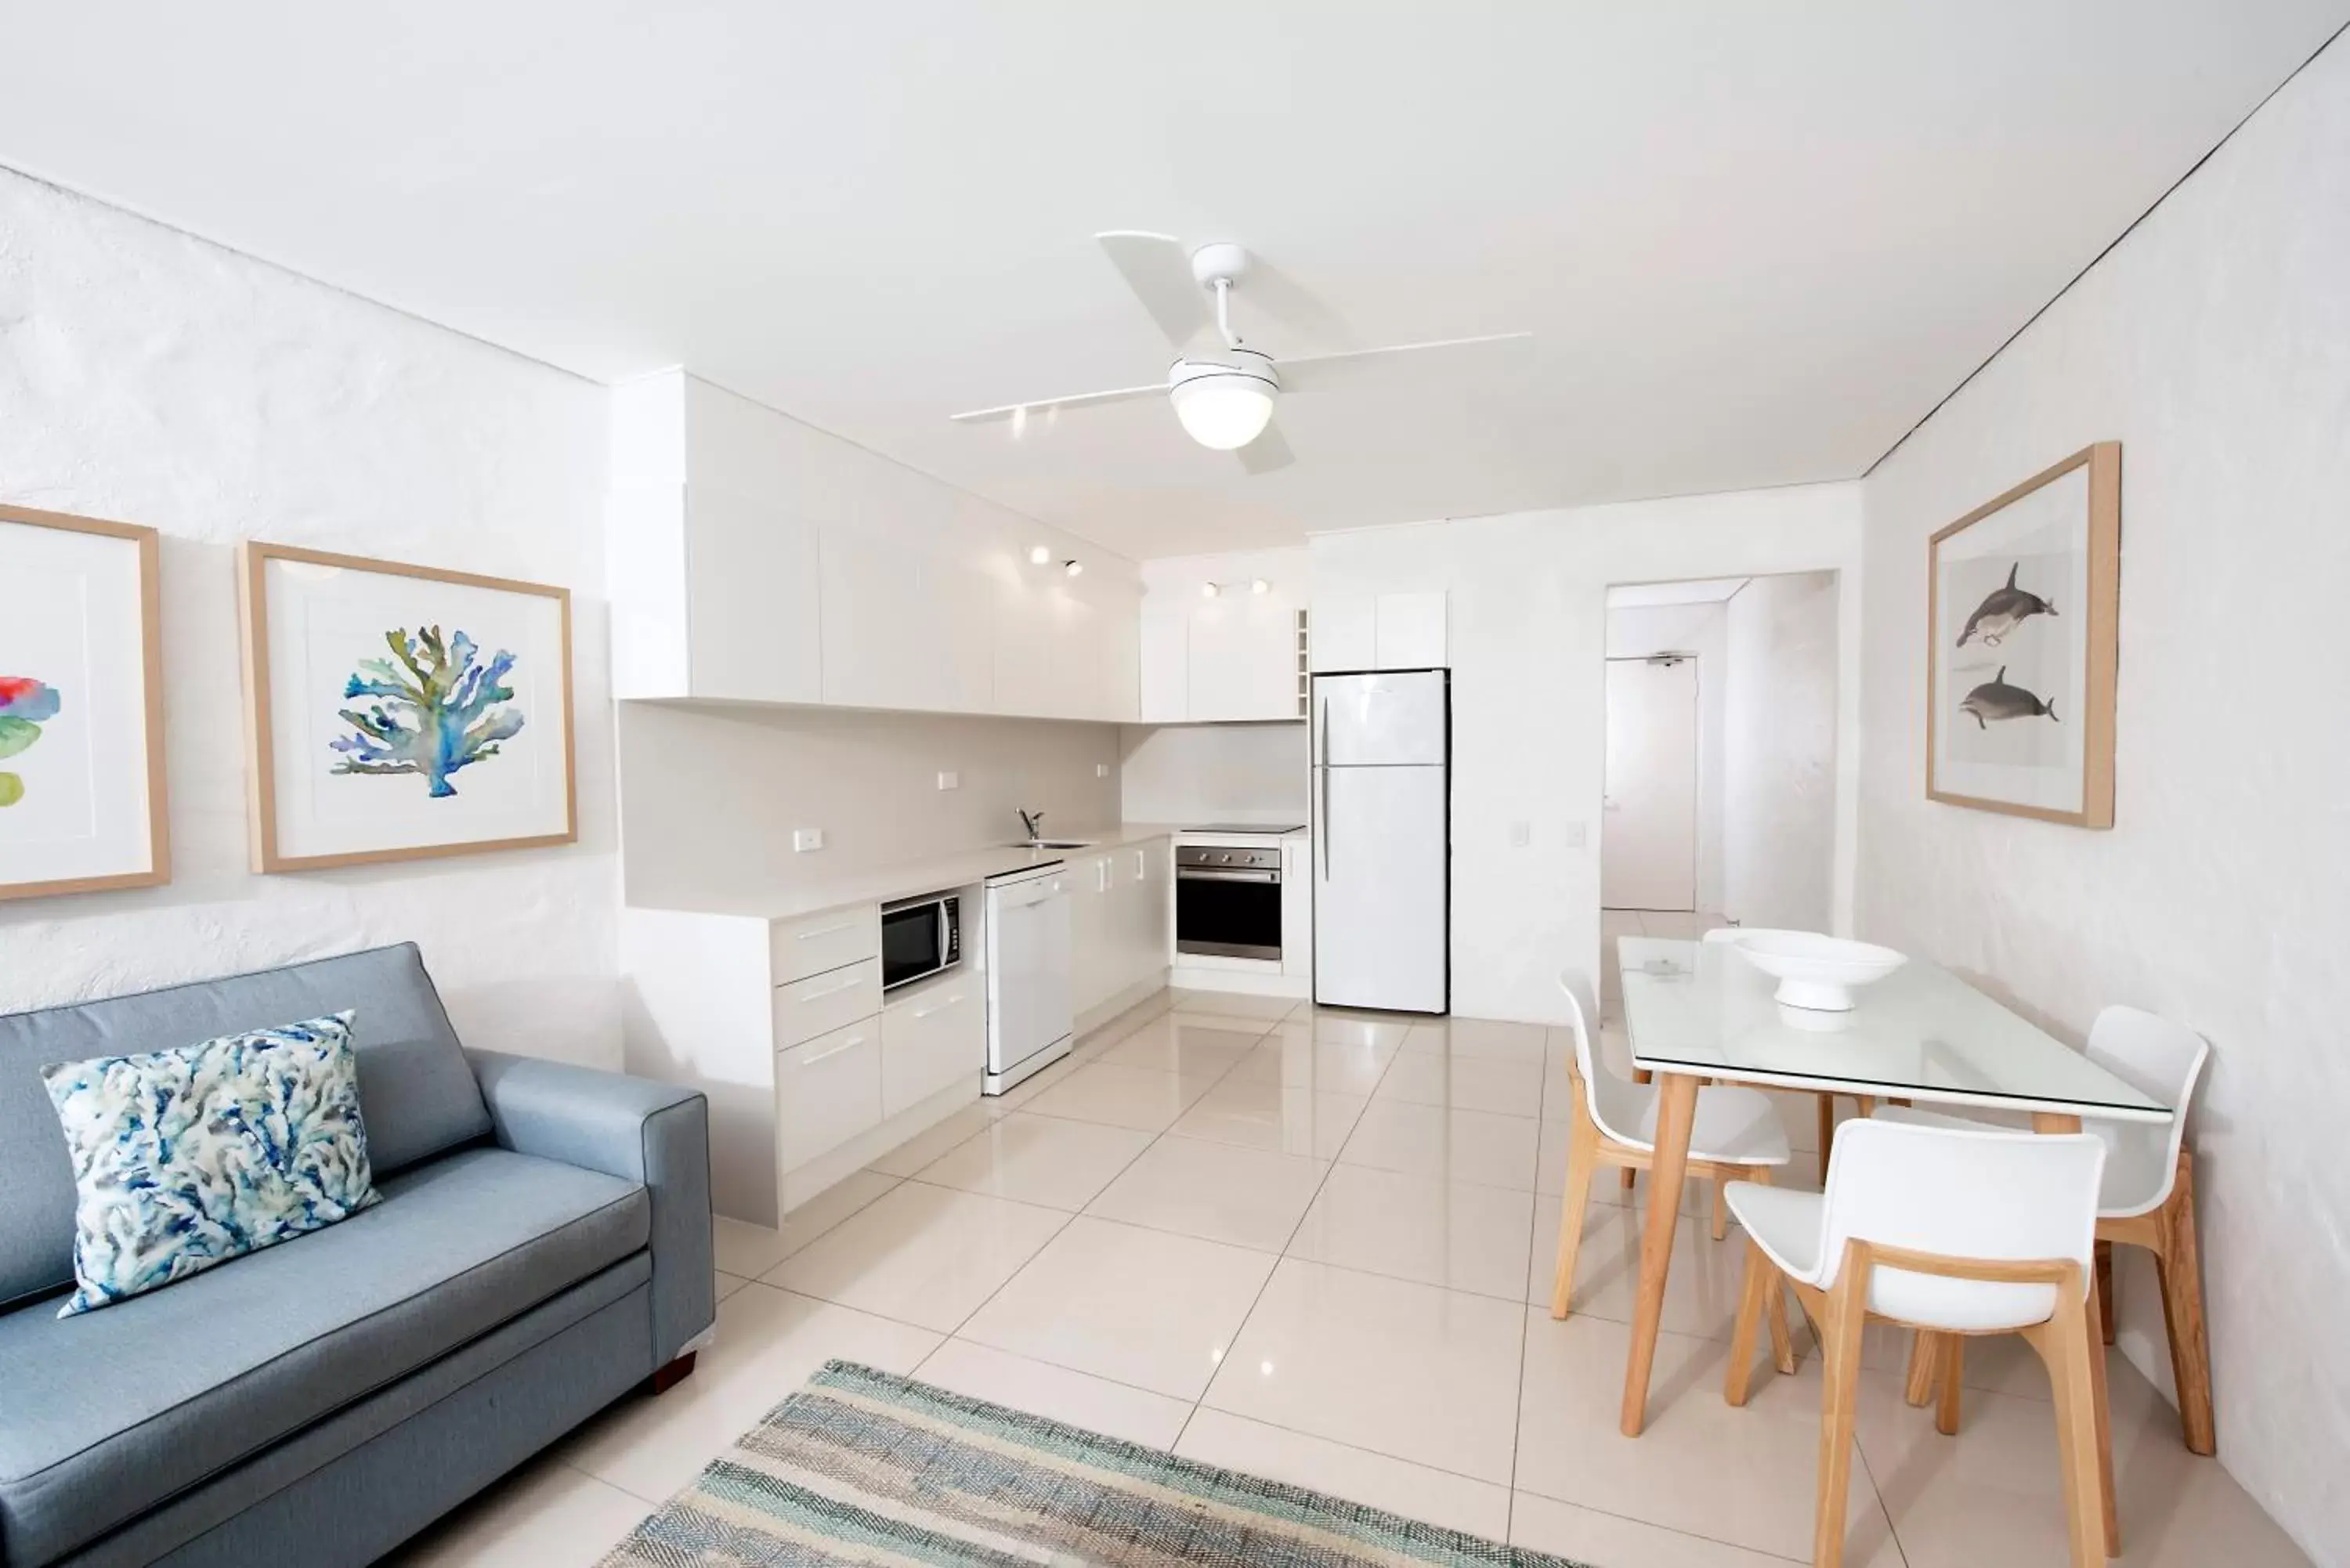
{"type": "Point", "coordinates": [881, 883]}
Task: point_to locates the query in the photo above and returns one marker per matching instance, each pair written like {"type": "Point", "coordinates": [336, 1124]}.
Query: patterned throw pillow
{"type": "Point", "coordinates": [192, 1156]}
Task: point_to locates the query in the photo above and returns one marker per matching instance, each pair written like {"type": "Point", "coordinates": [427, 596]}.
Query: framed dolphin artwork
{"type": "Point", "coordinates": [2023, 643]}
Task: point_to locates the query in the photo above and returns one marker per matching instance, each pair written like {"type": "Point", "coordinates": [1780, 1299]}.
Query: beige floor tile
{"type": "Point", "coordinates": [728, 1283]}
{"type": "Point", "coordinates": [1181, 1043]}
{"type": "Point", "coordinates": [1994, 1493]}
{"type": "Point", "coordinates": [928, 1145]}
{"type": "Point", "coordinates": [1700, 1291]}
{"type": "Point", "coordinates": [1134, 1098]}
{"type": "Point", "coordinates": [1029, 1158]}
{"type": "Point", "coordinates": [1461, 1145]}
{"type": "Point", "coordinates": [1503, 1086]}
{"type": "Point", "coordinates": [830, 1207]}
{"type": "Point", "coordinates": [1056, 1393]}
{"type": "Point", "coordinates": [1141, 1307]}
{"type": "Point", "coordinates": [921, 1254]}
{"type": "Point", "coordinates": [1419, 1228]}
{"type": "Point", "coordinates": [1286, 1118]}
{"type": "Point", "coordinates": [1248, 1196]}
{"type": "Point", "coordinates": [544, 1515]}
{"type": "Point", "coordinates": [1477, 1039]}
{"type": "Point", "coordinates": [1292, 1056]}
{"type": "Point", "coordinates": [1587, 1535]}
{"type": "Point", "coordinates": [1358, 1475]}
{"type": "Point", "coordinates": [1741, 1475]}
{"type": "Point", "coordinates": [742, 1248]}
{"type": "Point", "coordinates": [1236, 1005]}
{"type": "Point", "coordinates": [1384, 1032]}
{"type": "Point", "coordinates": [768, 1343]}
{"type": "Point", "coordinates": [1406, 1370]}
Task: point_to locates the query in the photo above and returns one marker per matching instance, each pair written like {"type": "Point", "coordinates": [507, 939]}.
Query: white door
{"type": "Point", "coordinates": [1379, 883]}
{"type": "Point", "coordinates": [1647, 838]}
{"type": "Point", "coordinates": [1379, 721]}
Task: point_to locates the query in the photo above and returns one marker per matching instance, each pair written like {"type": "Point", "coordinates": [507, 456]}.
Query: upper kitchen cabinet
{"type": "Point", "coordinates": [755, 560]}
{"type": "Point", "coordinates": [1227, 656]}
{"type": "Point", "coordinates": [1382, 632]}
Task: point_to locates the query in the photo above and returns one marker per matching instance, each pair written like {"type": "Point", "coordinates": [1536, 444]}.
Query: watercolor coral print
{"type": "Point", "coordinates": [25, 704]}
{"type": "Point", "coordinates": [435, 709]}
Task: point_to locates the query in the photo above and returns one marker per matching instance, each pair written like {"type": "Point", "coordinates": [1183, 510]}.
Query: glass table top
{"type": "Point", "coordinates": [1920, 1034]}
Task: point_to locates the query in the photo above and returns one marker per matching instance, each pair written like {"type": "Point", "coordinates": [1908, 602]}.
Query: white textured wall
{"type": "Point", "coordinates": [1635, 631]}
{"type": "Point", "coordinates": [712, 794]}
{"type": "Point", "coordinates": [1528, 616]}
{"type": "Point", "coordinates": [152, 377]}
{"type": "Point", "coordinates": [1215, 773]}
{"type": "Point", "coordinates": [2214, 343]}
{"type": "Point", "coordinates": [1779, 752]}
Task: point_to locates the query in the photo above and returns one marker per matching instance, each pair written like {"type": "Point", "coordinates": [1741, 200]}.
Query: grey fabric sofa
{"type": "Point", "coordinates": [542, 1247]}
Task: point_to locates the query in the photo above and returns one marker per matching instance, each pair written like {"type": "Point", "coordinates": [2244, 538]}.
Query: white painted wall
{"type": "Point", "coordinates": [1528, 611]}
{"type": "Point", "coordinates": [1215, 773]}
{"type": "Point", "coordinates": [1779, 729]}
{"type": "Point", "coordinates": [152, 377]}
{"type": "Point", "coordinates": [2214, 343]}
{"type": "Point", "coordinates": [1637, 631]}
{"type": "Point", "coordinates": [710, 795]}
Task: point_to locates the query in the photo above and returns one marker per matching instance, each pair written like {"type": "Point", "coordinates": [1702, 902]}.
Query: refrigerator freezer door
{"type": "Point", "coordinates": [1379, 721]}
{"type": "Point", "coordinates": [1380, 872]}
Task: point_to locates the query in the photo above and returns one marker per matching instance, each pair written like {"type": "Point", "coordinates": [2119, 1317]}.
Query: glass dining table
{"type": "Point", "coordinates": [1696, 1011]}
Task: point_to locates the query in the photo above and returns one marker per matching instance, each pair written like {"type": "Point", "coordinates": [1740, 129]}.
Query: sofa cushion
{"type": "Point", "coordinates": [109, 1413]}
{"type": "Point", "coordinates": [417, 1095]}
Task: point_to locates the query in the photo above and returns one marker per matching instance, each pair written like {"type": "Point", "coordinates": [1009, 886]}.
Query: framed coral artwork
{"type": "Point", "coordinates": [2022, 645]}
{"type": "Point", "coordinates": [396, 711]}
{"type": "Point", "coordinates": [82, 706]}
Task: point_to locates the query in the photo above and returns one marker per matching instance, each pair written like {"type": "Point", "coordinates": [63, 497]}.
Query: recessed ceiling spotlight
{"type": "Point", "coordinates": [1039, 554]}
{"type": "Point", "coordinates": [1208, 591]}
{"type": "Point", "coordinates": [1259, 586]}
{"type": "Point", "coordinates": [1073, 567]}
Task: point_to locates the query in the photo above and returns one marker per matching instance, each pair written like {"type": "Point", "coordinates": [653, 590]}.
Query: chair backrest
{"type": "Point", "coordinates": [2160, 1059]}
{"type": "Point", "coordinates": [1575, 1022]}
{"type": "Point", "coordinates": [1615, 1106]}
{"type": "Point", "coordinates": [1985, 1197]}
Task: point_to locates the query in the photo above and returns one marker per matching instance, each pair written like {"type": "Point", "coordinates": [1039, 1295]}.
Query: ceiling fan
{"type": "Point", "coordinates": [1225, 397]}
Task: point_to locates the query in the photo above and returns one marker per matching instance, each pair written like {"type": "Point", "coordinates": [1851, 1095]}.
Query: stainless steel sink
{"type": "Point", "coordinates": [1053, 844]}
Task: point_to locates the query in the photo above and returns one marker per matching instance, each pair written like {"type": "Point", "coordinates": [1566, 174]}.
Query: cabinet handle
{"type": "Point", "coordinates": [851, 984]}
{"type": "Point", "coordinates": [823, 931]}
{"type": "Point", "coordinates": [851, 1043]}
{"type": "Point", "coordinates": [941, 1007]}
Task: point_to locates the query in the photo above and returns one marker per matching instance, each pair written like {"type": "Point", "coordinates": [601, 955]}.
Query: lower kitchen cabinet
{"type": "Point", "coordinates": [827, 1091]}
{"type": "Point", "coordinates": [1119, 920]}
{"type": "Point", "coordinates": [932, 1038]}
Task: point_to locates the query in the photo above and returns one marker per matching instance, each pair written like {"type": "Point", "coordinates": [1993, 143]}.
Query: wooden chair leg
{"type": "Point", "coordinates": [1953, 1357]}
{"type": "Point", "coordinates": [1783, 1344]}
{"type": "Point", "coordinates": [2179, 1266]}
{"type": "Point", "coordinates": [2106, 1289]}
{"type": "Point", "coordinates": [1839, 1384]}
{"type": "Point", "coordinates": [1582, 1162]}
{"type": "Point", "coordinates": [2067, 1342]}
{"type": "Point", "coordinates": [1826, 1103]}
{"type": "Point", "coordinates": [1925, 1348]}
{"type": "Point", "coordinates": [2101, 1418]}
{"type": "Point", "coordinates": [1758, 1292]}
{"type": "Point", "coordinates": [1720, 1207]}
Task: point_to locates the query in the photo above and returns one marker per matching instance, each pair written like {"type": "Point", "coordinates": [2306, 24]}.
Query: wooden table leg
{"type": "Point", "coordinates": [2059, 1122]}
{"type": "Point", "coordinates": [1676, 1110]}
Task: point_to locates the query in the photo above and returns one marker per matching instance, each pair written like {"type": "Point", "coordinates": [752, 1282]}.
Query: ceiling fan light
{"type": "Point", "coordinates": [1224, 413]}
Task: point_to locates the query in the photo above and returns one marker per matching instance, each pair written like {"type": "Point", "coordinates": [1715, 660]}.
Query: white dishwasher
{"type": "Point", "coordinates": [1028, 1012]}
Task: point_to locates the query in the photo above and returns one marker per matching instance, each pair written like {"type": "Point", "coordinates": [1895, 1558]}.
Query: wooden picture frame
{"type": "Point", "coordinates": [285, 834]}
{"type": "Point", "coordinates": [2078, 669]}
{"type": "Point", "coordinates": [128, 721]}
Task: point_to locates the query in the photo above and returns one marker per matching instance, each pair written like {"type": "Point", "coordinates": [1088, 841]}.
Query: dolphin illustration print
{"type": "Point", "coordinates": [1995, 701]}
{"type": "Point", "coordinates": [2002, 611]}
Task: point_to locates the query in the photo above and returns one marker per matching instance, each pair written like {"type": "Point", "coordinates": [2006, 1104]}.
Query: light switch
{"type": "Point", "coordinates": [1574, 835]}
{"type": "Point", "coordinates": [807, 838]}
{"type": "Point", "coordinates": [1101, 770]}
{"type": "Point", "coordinates": [1521, 835]}
{"type": "Point", "coordinates": [949, 779]}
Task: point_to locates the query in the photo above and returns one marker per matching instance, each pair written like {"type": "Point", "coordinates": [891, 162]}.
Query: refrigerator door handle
{"type": "Point", "coordinates": [1322, 777]}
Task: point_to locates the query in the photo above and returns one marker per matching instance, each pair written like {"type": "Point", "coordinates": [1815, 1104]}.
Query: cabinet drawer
{"type": "Point", "coordinates": [931, 1040]}
{"type": "Point", "coordinates": [823, 1002]}
{"type": "Point", "coordinates": [827, 1091]}
{"type": "Point", "coordinates": [820, 942]}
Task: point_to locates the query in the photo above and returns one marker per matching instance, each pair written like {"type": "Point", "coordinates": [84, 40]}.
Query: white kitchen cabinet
{"type": "Point", "coordinates": [752, 597]}
{"type": "Point", "coordinates": [1345, 632]}
{"type": "Point", "coordinates": [933, 1037]}
{"type": "Point", "coordinates": [827, 1091]}
{"type": "Point", "coordinates": [1076, 660]}
{"type": "Point", "coordinates": [1410, 633]}
{"type": "Point", "coordinates": [1166, 676]}
{"type": "Point", "coordinates": [880, 647]}
{"type": "Point", "coordinates": [1143, 891]}
{"type": "Point", "coordinates": [1096, 961]}
{"type": "Point", "coordinates": [1025, 681]}
{"type": "Point", "coordinates": [960, 602]}
{"type": "Point", "coordinates": [1241, 659]}
{"type": "Point", "coordinates": [1121, 635]}
{"type": "Point", "coordinates": [1298, 872]}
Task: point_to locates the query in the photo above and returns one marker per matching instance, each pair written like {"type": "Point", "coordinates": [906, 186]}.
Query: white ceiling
{"type": "Point", "coordinates": [1757, 242]}
{"type": "Point", "coordinates": [1696, 591]}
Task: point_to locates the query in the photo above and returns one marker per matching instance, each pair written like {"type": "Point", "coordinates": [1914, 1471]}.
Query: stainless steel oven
{"type": "Point", "coordinates": [1228, 901]}
{"type": "Point", "coordinates": [919, 937]}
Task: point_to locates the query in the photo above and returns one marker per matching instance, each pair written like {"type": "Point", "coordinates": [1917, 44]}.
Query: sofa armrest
{"type": "Point", "coordinates": [634, 1128]}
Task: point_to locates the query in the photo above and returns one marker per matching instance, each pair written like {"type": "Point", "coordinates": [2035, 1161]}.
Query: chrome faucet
{"type": "Point", "coordinates": [1033, 821]}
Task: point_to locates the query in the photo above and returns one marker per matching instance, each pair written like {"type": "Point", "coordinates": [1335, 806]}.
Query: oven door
{"type": "Point", "coordinates": [918, 938]}
{"type": "Point", "coordinates": [1228, 914]}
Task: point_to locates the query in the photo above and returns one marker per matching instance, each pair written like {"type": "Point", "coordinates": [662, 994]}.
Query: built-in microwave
{"type": "Point", "coordinates": [920, 938]}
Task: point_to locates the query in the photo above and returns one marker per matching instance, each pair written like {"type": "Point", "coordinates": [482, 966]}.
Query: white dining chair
{"type": "Point", "coordinates": [1957, 1232]}
{"type": "Point", "coordinates": [1735, 1136]}
{"type": "Point", "coordinates": [2147, 1200]}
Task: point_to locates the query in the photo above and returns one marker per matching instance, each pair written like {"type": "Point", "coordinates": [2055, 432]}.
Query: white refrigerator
{"type": "Point", "coordinates": [1383, 840]}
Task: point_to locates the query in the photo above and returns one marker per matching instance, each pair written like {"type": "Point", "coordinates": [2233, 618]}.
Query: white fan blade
{"type": "Point", "coordinates": [1454, 356]}
{"type": "Point", "coordinates": [1159, 269]}
{"type": "Point", "coordinates": [1267, 452]}
{"type": "Point", "coordinates": [1023, 411]}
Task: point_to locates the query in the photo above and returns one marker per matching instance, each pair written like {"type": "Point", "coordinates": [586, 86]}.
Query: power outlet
{"type": "Point", "coordinates": [949, 779]}
{"type": "Point", "coordinates": [807, 838]}
{"type": "Point", "coordinates": [1574, 835]}
{"type": "Point", "coordinates": [1521, 835]}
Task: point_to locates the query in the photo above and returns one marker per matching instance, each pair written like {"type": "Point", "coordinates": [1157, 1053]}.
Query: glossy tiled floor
{"type": "Point", "coordinates": [1317, 1246]}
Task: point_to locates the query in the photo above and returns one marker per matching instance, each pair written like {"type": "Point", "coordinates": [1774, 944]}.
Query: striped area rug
{"type": "Point", "coordinates": [864, 1466]}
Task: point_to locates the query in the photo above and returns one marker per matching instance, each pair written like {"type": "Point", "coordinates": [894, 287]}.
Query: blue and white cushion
{"type": "Point", "coordinates": [192, 1156]}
